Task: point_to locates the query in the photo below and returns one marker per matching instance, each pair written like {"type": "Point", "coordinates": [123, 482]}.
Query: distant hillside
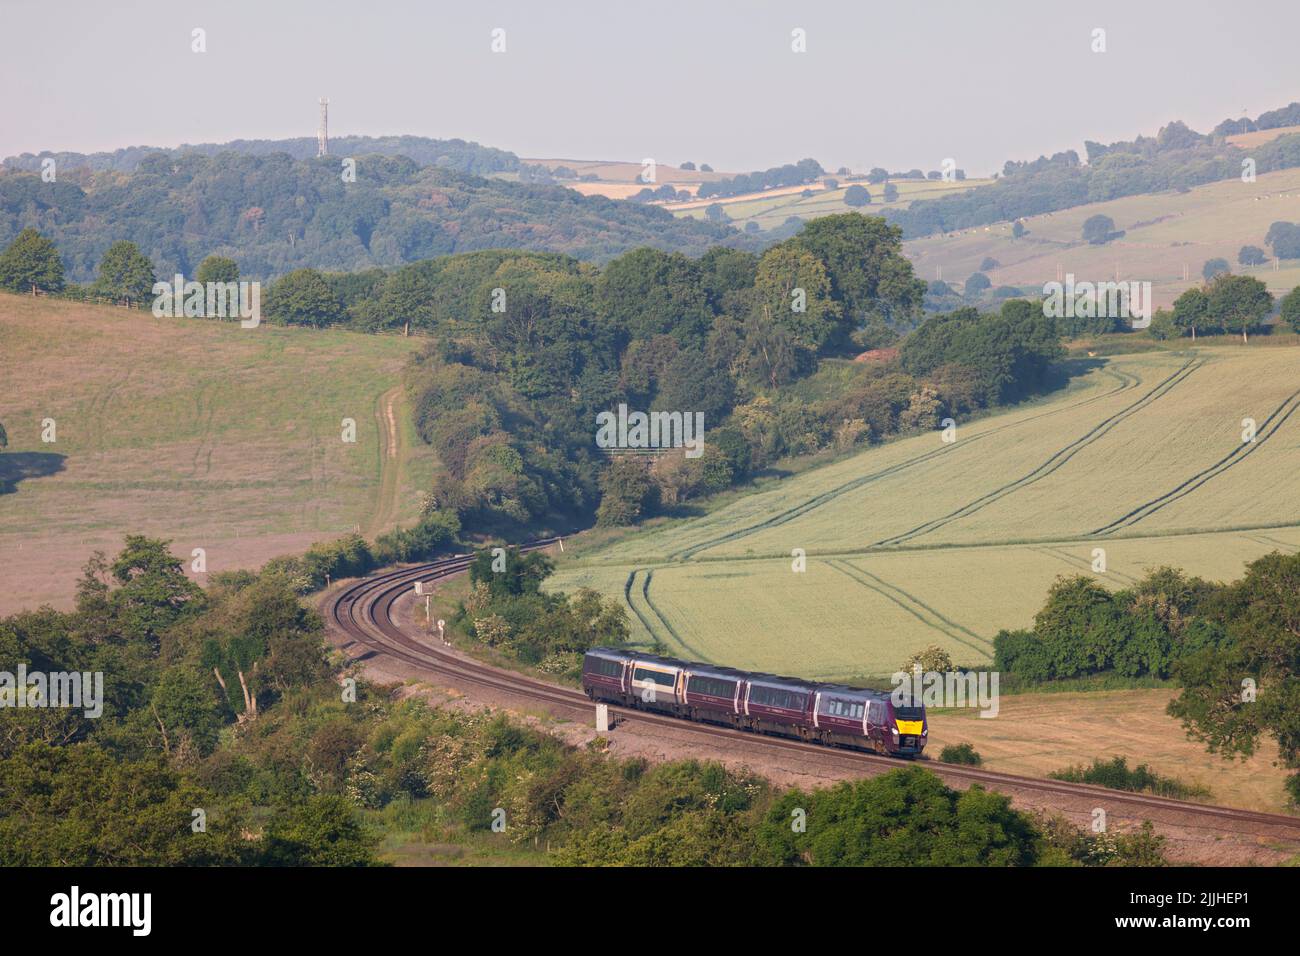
{"type": "Point", "coordinates": [1176, 158]}
{"type": "Point", "coordinates": [274, 213]}
{"type": "Point", "coordinates": [454, 154]}
{"type": "Point", "coordinates": [1163, 235]}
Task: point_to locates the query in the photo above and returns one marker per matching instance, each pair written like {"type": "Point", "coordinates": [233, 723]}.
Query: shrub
{"type": "Point", "coordinates": [962, 754]}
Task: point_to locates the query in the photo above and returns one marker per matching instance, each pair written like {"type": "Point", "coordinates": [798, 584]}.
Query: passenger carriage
{"type": "Point", "coordinates": [831, 714]}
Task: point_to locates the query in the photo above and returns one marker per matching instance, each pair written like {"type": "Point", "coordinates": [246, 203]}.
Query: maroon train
{"type": "Point", "coordinates": [824, 713]}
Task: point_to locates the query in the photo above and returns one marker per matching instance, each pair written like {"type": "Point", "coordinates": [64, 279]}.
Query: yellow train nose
{"type": "Point", "coordinates": [909, 726]}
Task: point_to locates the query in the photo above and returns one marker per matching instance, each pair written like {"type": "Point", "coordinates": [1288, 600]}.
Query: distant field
{"type": "Point", "coordinates": [772, 208]}
{"type": "Point", "coordinates": [620, 180]}
{"type": "Point", "coordinates": [1164, 233]}
{"type": "Point", "coordinates": [917, 542]}
{"type": "Point", "coordinates": [223, 438]}
{"type": "Point", "coordinates": [616, 171]}
{"type": "Point", "coordinates": [1262, 136]}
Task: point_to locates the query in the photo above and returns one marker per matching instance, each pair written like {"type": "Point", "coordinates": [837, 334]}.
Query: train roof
{"type": "Point", "coordinates": [776, 680]}
{"type": "Point", "coordinates": [720, 670]}
{"type": "Point", "coordinates": [844, 690]}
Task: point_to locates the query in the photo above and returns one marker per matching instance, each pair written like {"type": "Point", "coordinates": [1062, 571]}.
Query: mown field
{"type": "Point", "coordinates": [215, 436]}
{"type": "Point", "coordinates": [918, 542]}
{"type": "Point", "coordinates": [1164, 232]}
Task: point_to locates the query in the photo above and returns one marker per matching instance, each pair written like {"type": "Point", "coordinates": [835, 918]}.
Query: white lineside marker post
{"type": "Point", "coordinates": [561, 545]}
{"type": "Point", "coordinates": [442, 632]}
{"type": "Point", "coordinates": [602, 718]}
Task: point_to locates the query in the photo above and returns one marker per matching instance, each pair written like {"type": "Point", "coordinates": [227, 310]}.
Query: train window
{"type": "Point", "coordinates": [844, 708]}
{"type": "Point", "coordinates": [776, 697]}
{"type": "Point", "coordinates": [658, 677]}
{"type": "Point", "coordinates": [601, 665]}
{"type": "Point", "coordinates": [712, 687]}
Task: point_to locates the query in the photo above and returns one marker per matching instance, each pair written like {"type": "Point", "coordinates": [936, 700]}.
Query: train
{"type": "Point", "coordinates": [831, 714]}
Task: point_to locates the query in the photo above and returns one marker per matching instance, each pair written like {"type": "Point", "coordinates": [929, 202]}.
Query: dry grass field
{"type": "Point", "coordinates": [918, 542]}
{"type": "Point", "coordinates": [1165, 233]}
{"type": "Point", "coordinates": [215, 436]}
{"type": "Point", "coordinates": [1035, 734]}
{"type": "Point", "coordinates": [620, 180]}
{"type": "Point", "coordinates": [1262, 136]}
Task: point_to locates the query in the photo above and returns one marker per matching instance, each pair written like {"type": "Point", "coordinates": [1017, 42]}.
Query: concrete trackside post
{"type": "Point", "coordinates": [602, 718]}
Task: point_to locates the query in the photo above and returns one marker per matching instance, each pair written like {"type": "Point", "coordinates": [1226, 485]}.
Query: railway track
{"type": "Point", "coordinates": [363, 613]}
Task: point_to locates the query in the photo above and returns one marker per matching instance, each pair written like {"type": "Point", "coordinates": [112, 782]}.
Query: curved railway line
{"type": "Point", "coordinates": [363, 613]}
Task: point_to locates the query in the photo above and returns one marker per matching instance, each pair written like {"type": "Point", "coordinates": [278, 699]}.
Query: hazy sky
{"type": "Point", "coordinates": [898, 84]}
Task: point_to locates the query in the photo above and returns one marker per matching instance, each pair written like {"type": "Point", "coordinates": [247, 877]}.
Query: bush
{"type": "Point", "coordinates": [1116, 775]}
{"type": "Point", "coordinates": [434, 533]}
{"type": "Point", "coordinates": [1291, 309]}
{"type": "Point", "coordinates": [1292, 786]}
{"type": "Point", "coordinates": [961, 754]}
{"type": "Point", "coordinates": [933, 659]}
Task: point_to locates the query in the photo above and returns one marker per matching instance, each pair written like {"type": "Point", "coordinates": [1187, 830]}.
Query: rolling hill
{"type": "Point", "coordinates": [273, 214]}
{"type": "Point", "coordinates": [1164, 233]}
{"type": "Point", "coordinates": [198, 431]}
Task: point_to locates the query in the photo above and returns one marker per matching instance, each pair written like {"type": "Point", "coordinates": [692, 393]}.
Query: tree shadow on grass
{"type": "Point", "coordinates": [21, 465]}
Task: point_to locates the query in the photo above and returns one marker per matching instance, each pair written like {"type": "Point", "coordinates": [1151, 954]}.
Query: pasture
{"type": "Point", "coordinates": [218, 437]}
{"type": "Point", "coordinates": [1165, 233]}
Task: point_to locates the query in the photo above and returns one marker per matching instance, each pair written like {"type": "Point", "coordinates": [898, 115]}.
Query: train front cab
{"type": "Point", "coordinates": [907, 727]}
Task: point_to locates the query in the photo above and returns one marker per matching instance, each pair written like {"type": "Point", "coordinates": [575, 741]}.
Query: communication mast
{"type": "Point", "coordinates": [323, 134]}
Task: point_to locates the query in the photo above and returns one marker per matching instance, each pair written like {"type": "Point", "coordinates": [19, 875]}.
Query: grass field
{"type": "Point", "coordinates": [1164, 233]}
{"type": "Point", "coordinates": [216, 436]}
{"type": "Point", "coordinates": [919, 542]}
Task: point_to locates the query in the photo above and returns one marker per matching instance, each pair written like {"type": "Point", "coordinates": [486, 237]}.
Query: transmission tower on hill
{"type": "Point", "coordinates": [323, 133]}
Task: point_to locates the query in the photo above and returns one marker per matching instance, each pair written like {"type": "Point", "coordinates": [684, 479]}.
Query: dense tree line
{"type": "Point", "coordinates": [791, 174]}
{"type": "Point", "coordinates": [1272, 119]}
{"type": "Point", "coordinates": [180, 665]}
{"type": "Point", "coordinates": [229, 736]}
{"type": "Point", "coordinates": [1231, 646]}
{"type": "Point", "coordinates": [456, 154]}
{"type": "Point", "coordinates": [274, 213]}
{"type": "Point", "coordinates": [530, 348]}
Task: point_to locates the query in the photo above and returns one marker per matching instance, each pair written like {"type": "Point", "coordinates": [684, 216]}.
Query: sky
{"type": "Point", "coordinates": [901, 84]}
